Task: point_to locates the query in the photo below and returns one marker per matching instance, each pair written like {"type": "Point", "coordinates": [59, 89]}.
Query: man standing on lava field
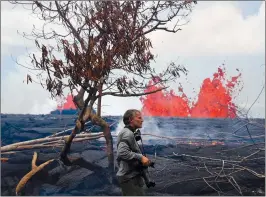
{"type": "Point", "coordinates": [131, 173]}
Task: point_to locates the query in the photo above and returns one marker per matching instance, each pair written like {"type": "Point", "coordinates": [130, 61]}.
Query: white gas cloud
{"type": "Point", "coordinates": [22, 98]}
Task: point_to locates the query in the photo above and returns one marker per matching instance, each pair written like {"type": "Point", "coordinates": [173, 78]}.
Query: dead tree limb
{"type": "Point", "coordinates": [29, 175]}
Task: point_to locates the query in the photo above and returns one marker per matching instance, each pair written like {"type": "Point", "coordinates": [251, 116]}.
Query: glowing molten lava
{"type": "Point", "coordinates": [68, 104]}
{"type": "Point", "coordinates": [214, 99]}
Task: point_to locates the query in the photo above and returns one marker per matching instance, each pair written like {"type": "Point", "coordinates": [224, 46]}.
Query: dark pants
{"type": "Point", "coordinates": [132, 187]}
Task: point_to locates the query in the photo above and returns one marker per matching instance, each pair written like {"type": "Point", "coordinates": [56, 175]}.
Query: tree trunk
{"type": "Point", "coordinates": [109, 141]}
{"type": "Point", "coordinates": [100, 100]}
{"type": "Point", "coordinates": [78, 99]}
{"type": "Point", "coordinates": [68, 143]}
{"type": "Point", "coordinates": [99, 106]}
{"type": "Point", "coordinates": [97, 120]}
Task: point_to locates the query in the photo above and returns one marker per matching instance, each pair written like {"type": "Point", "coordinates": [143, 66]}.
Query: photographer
{"type": "Point", "coordinates": [132, 173]}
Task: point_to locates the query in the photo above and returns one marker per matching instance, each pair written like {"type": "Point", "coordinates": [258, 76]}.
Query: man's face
{"type": "Point", "coordinates": [136, 121]}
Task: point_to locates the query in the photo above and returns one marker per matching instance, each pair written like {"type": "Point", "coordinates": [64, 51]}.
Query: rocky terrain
{"type": "Point", "coordinates": [182, 168]}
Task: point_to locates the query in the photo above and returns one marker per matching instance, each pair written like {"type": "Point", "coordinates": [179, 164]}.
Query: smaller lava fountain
{"type": "Point", "coordinates": [66, 106]}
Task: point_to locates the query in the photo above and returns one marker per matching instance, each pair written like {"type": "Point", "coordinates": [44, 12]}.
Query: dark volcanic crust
{"type": "Point", "coordinates": [174, 175]}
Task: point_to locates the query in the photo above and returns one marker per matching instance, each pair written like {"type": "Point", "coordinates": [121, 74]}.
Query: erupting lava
{"type": "Point", "coordinates": [202, 143]}
{"type": "Point", "coordinates": [68, 104]}
{"type": "Point", "coordinates": [214, 100]}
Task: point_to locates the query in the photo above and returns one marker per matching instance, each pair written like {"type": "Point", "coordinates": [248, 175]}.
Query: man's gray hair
{"type": "Point", "coordinates": [128, 115]}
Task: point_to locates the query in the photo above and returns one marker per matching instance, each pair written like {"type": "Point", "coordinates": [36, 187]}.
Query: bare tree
{"type": "Point", "coordinates": [106, 52]}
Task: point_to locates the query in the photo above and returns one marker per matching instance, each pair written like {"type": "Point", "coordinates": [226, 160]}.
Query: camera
{"type": "Point", "coordinates": [138, 165]}
{"type": "Point", "coordinates": [137, 135]}
{"type": "Point", "coordinates": [150, 184]}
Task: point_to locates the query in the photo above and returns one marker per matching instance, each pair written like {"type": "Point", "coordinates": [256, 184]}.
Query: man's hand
{"type": "Point", "coordinates": [145, 161]}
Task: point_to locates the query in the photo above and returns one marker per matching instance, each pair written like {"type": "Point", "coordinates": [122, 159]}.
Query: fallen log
{"type": "Point", "coordinates": [54, 141]}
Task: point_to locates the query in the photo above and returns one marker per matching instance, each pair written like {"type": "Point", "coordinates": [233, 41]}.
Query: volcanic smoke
{"type": "Point", "coordinates": [214, 99]}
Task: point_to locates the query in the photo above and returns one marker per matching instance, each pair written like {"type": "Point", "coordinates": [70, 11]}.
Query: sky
{"type": "Point", "coordinates": [229, 32]}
